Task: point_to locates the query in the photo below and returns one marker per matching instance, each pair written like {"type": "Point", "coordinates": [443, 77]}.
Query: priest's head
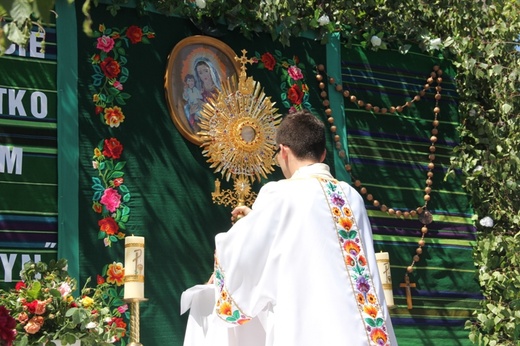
{"type": "Point", "coordinates": [300, 138]}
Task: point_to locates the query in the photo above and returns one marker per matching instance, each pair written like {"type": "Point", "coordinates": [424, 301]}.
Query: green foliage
{"type": "Point", "coordinates": [22, 15]}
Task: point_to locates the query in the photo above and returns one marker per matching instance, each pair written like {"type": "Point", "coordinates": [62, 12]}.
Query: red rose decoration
{"type": "Point", "coordinates": [112, 148]}
{"type": "Point", "coordinates": [134, 34]}
{"type": "Point", "coordinates": [108, 225]}
{"type": "Point", "coordinates": [110, 68]}
{"type": "Point", "coordinates": [7, 326]}
{"type": "Point", "coordinates": [268, 60]}
{"type": "Point", "coordinates": [295, 95]}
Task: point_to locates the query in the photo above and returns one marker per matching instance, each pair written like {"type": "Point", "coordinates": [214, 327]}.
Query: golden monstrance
{"type": "Point", "coordinates": [238, 130]}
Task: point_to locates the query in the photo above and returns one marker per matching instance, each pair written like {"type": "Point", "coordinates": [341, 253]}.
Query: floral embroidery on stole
{"type": "Point", "coordinates": [225, 307]}
{"type": "Point", "coordinates": [356, 263]}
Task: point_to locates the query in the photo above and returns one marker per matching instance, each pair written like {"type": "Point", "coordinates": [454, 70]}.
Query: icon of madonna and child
{"type": "Point", "coordinates": [200, 84]}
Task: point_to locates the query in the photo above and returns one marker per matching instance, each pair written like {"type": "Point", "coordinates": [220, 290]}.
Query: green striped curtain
{"type": "Point", "coordinates": [389, 154]}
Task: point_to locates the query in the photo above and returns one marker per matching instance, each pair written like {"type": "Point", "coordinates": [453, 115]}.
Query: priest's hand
{"type": "Point", "coordinates": [239, 212]}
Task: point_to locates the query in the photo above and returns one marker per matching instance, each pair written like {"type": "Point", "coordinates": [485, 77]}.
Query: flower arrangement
{"type": "Point", "coordinates": [111, 195]}
{"type": "Point", "coordinates": [42, 308]}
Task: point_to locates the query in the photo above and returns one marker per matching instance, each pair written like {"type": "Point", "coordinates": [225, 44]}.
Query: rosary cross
{"type": "Point", "coordinates": [407, 285]}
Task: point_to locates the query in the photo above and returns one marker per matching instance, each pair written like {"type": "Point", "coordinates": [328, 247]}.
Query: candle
{"type": "Point", "coordinates": [383, 265]}
{"type": "Point", "coordinates": [134, 267]}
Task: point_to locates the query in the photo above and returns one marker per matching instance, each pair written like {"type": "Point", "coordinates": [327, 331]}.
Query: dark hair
{"type": "Point", "coordinates": [303, 133]}
{"type": "Point", "coordinates": [189, 76]}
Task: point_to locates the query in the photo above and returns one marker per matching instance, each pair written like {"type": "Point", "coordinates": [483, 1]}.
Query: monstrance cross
{"type": "Point", "coordinates": [407, 285]}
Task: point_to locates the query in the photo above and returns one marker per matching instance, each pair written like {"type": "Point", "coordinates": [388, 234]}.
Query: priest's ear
{"type": "Point", "coordinates": [322, 158]}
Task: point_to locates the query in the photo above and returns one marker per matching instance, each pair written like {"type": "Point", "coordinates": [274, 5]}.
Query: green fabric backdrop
{"type": "Point", "coordinates": [169, 180]}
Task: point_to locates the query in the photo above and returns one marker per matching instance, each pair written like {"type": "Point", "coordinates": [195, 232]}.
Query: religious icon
{"type": "Point", "coordinates": [197, 67]}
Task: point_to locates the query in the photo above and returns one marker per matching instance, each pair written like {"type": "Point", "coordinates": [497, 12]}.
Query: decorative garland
{"type": "Point", "coordinates": [111, 194]}
{"type": "Point", "coordinates": [425, 216]}
{"type": "Point", "coordinates": [294, 88]}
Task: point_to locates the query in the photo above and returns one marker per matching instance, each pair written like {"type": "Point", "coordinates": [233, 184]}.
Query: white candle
{"type": "Point", "coordinates": [134, 267]}
{"type": "Point", "coordinates": [383, 264]}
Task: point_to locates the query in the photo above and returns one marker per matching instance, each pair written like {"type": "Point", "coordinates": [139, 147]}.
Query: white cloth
{"type": "Point", "coordinates": [204, 328]}
{"type": "Point", "coordinates": [282, 263]}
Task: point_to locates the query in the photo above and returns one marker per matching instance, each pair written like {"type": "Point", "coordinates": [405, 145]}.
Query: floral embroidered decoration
{"type": "Point", "coordinates": [110, 193]}
{"type": "Point", "coordinates": [356, 263]}
{"type": "Point", "coordinates": [294, 88]}
{"type": "Point", "coordinates": [110, 72]}
{"type": "Point", "coordinates": [114, 298]}
{"type": "Point", "coordinates": [225, 307]}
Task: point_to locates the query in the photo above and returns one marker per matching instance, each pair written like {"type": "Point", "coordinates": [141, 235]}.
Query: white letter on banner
{"type": "Point", "coordinates": [8, 264]}
{"type": "Point", "coordinates": [3, 91]}
{"type": "Point", "coordinates": [6, 157]}
{"type": "Point", "coordinates": [15, 102]}
{"type": "Point", "coordinates": [42, 111]}
{"type": "Point", "coordinates": [35, 46]}
{"type": "Point", "coordinates": [27, 258]}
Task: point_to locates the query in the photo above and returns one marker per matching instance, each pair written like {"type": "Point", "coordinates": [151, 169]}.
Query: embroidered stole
{"type": "Point", "coordinates": [356, 263]}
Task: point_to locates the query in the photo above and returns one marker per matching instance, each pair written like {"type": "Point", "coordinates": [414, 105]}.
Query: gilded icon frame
{"type": "Point", "coordinates": [198, 56]}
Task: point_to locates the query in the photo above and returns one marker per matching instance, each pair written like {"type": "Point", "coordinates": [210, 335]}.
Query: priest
{"type": "Point", "coordinates": [299, 268]}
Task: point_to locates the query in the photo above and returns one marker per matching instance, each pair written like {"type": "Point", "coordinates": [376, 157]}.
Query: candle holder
{"type": "Point", "coordinates": [134, 320]}
{"type": "Point", "coordinates": [240, 195]}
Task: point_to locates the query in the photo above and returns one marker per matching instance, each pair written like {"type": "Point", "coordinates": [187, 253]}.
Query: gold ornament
{"type": "Point", "coordinates": [238, 129]}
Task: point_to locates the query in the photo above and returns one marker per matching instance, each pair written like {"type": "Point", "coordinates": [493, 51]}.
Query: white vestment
{"type": "Point", "coordinates": [284, 266]}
